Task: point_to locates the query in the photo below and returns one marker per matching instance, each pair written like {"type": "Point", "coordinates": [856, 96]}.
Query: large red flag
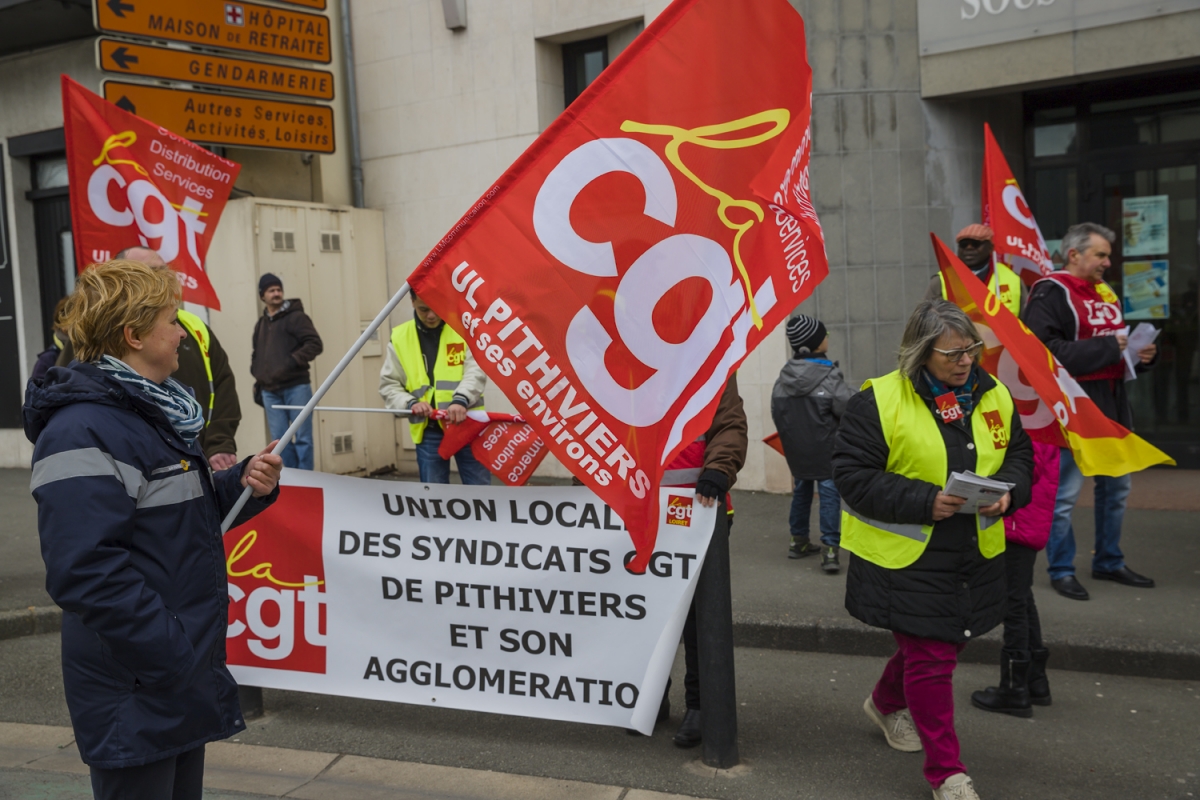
{"type": "Point", "coordinates": [1053, 406]}
{"type": "Point", "coordinates": [618, 273]}
{"type": "Point", "coordinates": [134, 183]}
{"type": "Point", "coordinates": [1018, 239]}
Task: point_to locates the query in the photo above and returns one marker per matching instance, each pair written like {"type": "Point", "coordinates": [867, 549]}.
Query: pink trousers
{"type": "Point", "coordinates": [918, 677]}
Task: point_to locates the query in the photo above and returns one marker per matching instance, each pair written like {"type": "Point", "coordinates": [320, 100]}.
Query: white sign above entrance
{"type": "Point", "coordinates": [948, 25]}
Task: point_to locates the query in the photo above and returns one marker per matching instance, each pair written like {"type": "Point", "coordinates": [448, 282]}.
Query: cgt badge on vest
{"type": "Point", "coordinates": [948, 408]}
{"type": "Point", "coordinates": [997, 428]}
{"type": "Point", "coordinates": [456, 354]}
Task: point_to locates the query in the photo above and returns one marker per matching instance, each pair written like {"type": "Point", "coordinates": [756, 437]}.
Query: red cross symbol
{"type": "Point", "coordinates": [233, 14]}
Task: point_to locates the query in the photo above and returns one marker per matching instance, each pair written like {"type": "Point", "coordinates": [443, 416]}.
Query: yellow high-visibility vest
{"type": "Point", "coordinates": [199, 331]}
{"type": "Point", "coordinates": [1004, 284]}
{"type": "Point", "coordinates": [915, 450]}
{"type": "Point", "coordinates": [451, 356]}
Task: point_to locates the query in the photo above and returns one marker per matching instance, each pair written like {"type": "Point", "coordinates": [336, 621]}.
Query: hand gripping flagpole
{"type": "Point", "coordinates": [317, 395]}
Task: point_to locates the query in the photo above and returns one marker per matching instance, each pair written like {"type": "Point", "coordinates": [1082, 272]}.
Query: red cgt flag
{"type": "Point", "coordinates": [1053, 406]}
{"type": "Point", "coordinates": [618, 273]}
{"type": "Point", "coordinates": [504, 443]}
{"type": "Point", "coordinates": [136, 184]}
{"type": "Point", "coordinates": [1018, 239]}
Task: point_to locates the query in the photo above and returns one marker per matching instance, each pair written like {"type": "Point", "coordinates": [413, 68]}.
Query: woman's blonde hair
{"type": "Point", "coordinates": [110, 296]}
{"type": "Point", "coordinates": [929, 320]}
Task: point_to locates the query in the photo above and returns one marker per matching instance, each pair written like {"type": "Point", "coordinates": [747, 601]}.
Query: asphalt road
{"type": "Point", "coordinates": [802, 733]}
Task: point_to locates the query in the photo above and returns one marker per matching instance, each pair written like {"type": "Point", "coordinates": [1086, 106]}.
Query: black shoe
{"type": "Point", "coordinates": [829, 560]}
{"type": "Point", "coordinates": [688, 734]}
{"type": "Point", "coordinates": [1067, 586]}
{"type": "Point", "coordinates": [802, 549]}
{"type": "Point", "coordinates": [1012, 695]}
{"type": "Point", "coordinates": [1125, 576]}
{"type": "Point", "coordinates": [1039, 686]}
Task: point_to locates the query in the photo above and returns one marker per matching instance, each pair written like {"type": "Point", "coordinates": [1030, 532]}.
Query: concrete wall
{"type": "Point", "coordinates": [887, 168]}
{"type": "Point", "coordinates": [1172, 40]}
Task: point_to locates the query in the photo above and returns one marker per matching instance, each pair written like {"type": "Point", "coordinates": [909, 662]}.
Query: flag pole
{"type": "Point", "coordinates": [317, 395]}
{"type": "Point", "coordinates": [399, 412]}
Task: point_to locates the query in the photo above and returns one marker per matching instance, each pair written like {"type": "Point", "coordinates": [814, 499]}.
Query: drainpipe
{"type": "Point", "coordinates": [356, 171]}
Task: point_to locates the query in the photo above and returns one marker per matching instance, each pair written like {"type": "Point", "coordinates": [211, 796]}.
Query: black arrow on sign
{"type": "Point", "coordinates": [119, 8]}
{"type": "Point", "coordinates": [122, 58]}
{"type": "Point", "coordinates": [126, 104]}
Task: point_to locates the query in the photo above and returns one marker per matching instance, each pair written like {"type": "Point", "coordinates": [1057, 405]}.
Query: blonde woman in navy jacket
{"type": "Point", "coordinates": [129, 516]}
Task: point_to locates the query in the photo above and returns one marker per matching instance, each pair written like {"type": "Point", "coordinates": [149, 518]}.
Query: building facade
{"type": "Point", "coordinates": [1096, 107]}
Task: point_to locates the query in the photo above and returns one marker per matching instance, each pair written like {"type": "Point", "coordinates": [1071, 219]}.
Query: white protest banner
{"type": "Point", "coordinates": [513, 601]}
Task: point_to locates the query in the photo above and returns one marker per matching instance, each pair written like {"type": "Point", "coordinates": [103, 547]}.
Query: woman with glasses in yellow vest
{"type": "Point", "coordinates": [429, 368]}
{"type": "Point", "coordinates": [923, 566]}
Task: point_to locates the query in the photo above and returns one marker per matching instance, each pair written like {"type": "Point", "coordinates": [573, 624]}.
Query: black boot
{"type": "Point", "coordinates": [1039, 685]}
{"type": "Point", "coordinates": [689, 732]}
{"type": "Point", "coordinates": [1012, 695]}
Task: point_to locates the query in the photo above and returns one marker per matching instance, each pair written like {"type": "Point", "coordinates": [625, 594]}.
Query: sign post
{"type": "Point", "coordinates": [246, 27]}
{"type": "Point", "coordinates": [228, 119]}
{"type": "Point", "coordinates": [207, 69]}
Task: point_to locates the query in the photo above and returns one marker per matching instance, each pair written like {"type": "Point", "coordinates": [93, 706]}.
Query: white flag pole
{"type": "Point", "coordinates": [398, 412]}
{"type": "Point", "coordinates": [317, 395]}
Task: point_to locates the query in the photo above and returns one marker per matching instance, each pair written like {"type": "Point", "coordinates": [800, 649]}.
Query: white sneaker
{"type": "Point", "coordinates": [956, 787]}
{"type": "Point", "coordinates": [898, 727]}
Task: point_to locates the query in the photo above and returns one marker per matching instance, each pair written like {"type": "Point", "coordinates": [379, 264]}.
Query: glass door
{"type": "Point", "coordinates": [1151, 205]}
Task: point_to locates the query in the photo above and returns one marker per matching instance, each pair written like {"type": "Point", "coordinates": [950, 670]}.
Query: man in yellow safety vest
{"type": "Point", "coordinates": [975, 249]}
{"type": "Point", "coordinates": [429, 367]}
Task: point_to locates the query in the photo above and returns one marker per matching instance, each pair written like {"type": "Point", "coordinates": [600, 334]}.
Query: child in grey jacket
{"type": "Point", "coordinates": [806, 404]}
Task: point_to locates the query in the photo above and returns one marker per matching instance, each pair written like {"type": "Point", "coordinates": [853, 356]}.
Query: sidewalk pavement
{"type": "Point", "coordinates": [791, 605]}
{"type": "Point", "coordinates": [801, 731]}
{"type": "Point", "coordinates": [38, 761]}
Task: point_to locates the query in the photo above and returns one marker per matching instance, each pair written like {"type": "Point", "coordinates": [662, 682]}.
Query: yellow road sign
{"type": "Point", "coordinates": [228, 120]}
{"type": "Point", "coordinates": [319, 5]}
{"type": "Point", "coordinates": [248, 27]}
{"type": "Point", "coordinates": [151, 61]}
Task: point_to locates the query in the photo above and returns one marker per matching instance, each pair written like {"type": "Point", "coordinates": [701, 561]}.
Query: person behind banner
{"type": "Point", "coordinates": [429, 368]}
{"type": "Point", "coordinates": [710, 464]}
{"type": "Point", "coordinates": [1023, 682]}
{"type": "Point", "coordinates": [807, 401]}
{"type": "Point", "coordinates": [919, 567]}
{"type": "Point", "coordinates": [1078, 317]}
{"type": "Point", "coordinates": [285, 342]}
{"type": "Point", "coordinates": [976, 249]}
{"type": "Point", "coordinates": [129, 516]}
{"type": "Point", "coordinates": [203, 368]}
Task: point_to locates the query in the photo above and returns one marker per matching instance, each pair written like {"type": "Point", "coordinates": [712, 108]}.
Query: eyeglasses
{"type": "Point", "coordinates": [955, 356]}
{"type": "Point", "coordinates": [973, 244]}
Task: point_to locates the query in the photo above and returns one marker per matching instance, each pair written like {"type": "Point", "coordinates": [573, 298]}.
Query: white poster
{"type": "Point", "coordinates": [509, 600]}
{"type": "Point", "coordinates": [1145, 225]}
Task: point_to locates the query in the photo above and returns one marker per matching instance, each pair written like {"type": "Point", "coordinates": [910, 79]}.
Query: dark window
{"type": "Point", "coordinates": [582, 63]}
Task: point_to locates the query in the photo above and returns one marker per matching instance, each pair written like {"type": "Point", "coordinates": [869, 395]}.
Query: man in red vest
{"type": "Point", "coordinates": [1078, 317]}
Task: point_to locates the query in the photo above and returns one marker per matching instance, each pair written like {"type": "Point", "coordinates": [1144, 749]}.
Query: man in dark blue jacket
{"type": "Point", "coordinates": [129, 515]}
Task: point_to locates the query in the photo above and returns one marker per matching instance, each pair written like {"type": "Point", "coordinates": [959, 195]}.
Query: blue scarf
{"type": "Point", "coordinates": [819, 360]}
{"type": "Point", "coordinates": [965, 394]}
{"type": "Point", "coordinates": [182, 409]}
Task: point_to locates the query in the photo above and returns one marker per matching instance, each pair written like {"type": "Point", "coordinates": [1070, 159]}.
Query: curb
{"type": "Point", "coordinates": [1079, 655]}
{"type": "Point", "coordinates": [30, 621]}
{"type": "Point", "coordinates": [1169, 661]}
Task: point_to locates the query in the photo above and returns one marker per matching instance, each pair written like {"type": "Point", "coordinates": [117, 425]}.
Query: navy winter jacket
{"type": "Point", "coordinates": [130, 521]}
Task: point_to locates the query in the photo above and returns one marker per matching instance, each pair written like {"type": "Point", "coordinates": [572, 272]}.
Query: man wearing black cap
{"type": "Point", "coordinates": [806, 404]}
{"type": "Point", "coordinates": [285, 341]}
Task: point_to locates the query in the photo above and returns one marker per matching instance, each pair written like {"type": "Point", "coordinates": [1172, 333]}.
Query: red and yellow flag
{"type": "Point", "coordinates": [617, 274]}
{"type": "Point", "coordinates": [137, 184]}
{"type": "Point", "coordinates": [1054, 408]}
{"type": "Point", "coordinates": [1018, 240]}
